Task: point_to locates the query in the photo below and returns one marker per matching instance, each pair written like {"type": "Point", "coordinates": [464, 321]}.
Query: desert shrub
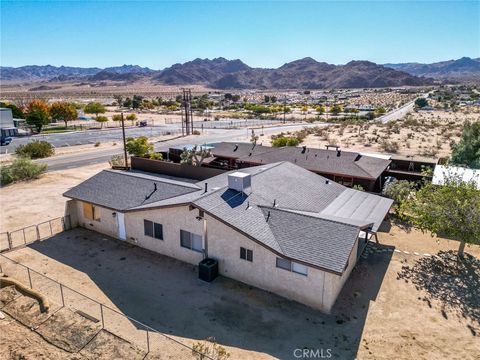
{"type": "Point", "coordinates": [155, 156]}
{"type": "Point", "coordinates": [389, 146]}
{"type": "Point", "coordinates": [196, 132]}
{"type": "Point", "coordinates": [285, 141]}
{"type": "Point", "coordinates": [210, 348]}
{"type": "Point", "coordinates": [399, 191]}
{"type": "Point", "coordinates": [97, 144]}
{"type": "Point", "coordinates": [21, 169]}
{"type": "Point", "coordinates": [36, 149]}
{"type": "Point", "coordinates": [116, 160]}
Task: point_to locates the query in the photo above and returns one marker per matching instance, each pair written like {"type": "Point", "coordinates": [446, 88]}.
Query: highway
{"type": "Point", "coordinates": [80, 159]}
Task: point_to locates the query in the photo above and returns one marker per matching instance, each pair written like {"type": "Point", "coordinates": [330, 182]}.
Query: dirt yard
{"type": "Point", "coordinates": [395, 305]}
{"type": "Point", "coordinates": [428, 134]}
{"type": "Point", "coordinates": [20, 205]}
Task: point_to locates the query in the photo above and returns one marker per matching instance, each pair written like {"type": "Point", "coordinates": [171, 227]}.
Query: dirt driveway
{"type": "Point", "coordinates": [383, 312]}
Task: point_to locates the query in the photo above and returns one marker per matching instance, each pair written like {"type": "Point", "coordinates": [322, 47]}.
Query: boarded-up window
{"type": "Point", "coordinates": [90, 212]}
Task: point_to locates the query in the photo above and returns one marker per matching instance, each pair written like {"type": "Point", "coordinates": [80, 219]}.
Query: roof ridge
{"type": "Point", "coordinates": [153, 178]}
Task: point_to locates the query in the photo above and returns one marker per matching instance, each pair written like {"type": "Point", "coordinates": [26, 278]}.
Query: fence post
{"type": "Point", "coordinates": [29, 278]}
{"type": "Point", "coordinates": [101, 312]}
{"type": "Point", "coordinates": [24, 238]}
{"type": "Point", "coordinates": [148, 342]}
{"type": "Point", "coordinates": [9, 239]}
{"type": "Point", "coordinates": [38, 232]}
{"type": "Point", "coordinates": [61, 293]}
{"type": "Point", "coordinates": [50, 223]}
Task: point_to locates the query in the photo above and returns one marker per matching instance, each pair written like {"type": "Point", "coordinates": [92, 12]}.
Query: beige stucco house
{"type": "Point", "coordinates": [278, 227]}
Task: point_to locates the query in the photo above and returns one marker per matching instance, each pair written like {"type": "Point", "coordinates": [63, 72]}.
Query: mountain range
{"type": "Point", "coordinates": [461, 69]}
{"type": "Point", "coordinates": [221, 73]}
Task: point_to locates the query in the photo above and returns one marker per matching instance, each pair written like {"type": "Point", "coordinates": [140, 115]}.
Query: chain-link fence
{"type": "Point", "coordinates": [14, 239]}
{"type": "Point", "coordinates": [142, 336]}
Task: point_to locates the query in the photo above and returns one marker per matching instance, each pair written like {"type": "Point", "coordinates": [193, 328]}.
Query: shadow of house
{"type": "Point", "coordinates": [454, 282]}
{"type": "Point", "coordinates": [166, 294]}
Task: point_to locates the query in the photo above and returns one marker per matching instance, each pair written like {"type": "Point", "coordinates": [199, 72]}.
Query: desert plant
{"type": "Point", "coordinates": [36, 149]}
{"type": "Point", "coordinates": [21, 169]}
{"type": "Point", "coordinates": [209, 349]}
{"type": "Point", "coordinates": [389, 146]}
{"type": "Point", "coordinates": [139, 146]}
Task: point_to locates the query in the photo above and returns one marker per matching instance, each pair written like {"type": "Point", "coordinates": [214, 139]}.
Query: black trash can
{"type": "Point", "coordinates": [208, 269]}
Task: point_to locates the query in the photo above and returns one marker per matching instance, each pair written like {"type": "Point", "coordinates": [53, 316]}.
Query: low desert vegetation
{"type": "Point", "coordinates": [21, 169]}
{"type": "Point", "coordinates": [35, 149]}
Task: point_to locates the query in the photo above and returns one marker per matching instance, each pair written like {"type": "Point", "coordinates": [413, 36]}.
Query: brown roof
{"type": "Point", "coordinates": [318, 160]}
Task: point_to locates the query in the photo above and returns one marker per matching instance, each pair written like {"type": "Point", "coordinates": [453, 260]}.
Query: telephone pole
{"type": "Point", "coordinates": [124, 144]}
{"type": "Point", "coordinates": [187, 113]}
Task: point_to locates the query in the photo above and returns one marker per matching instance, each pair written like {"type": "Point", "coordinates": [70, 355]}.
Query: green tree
{"type": "Point", "coordinates": [336, 109]}
{"type": "Point", "coordinates": [117, 117]}
{"type": "Point", "coordinates": [399, 191]}
{"type": "Point", "coordinates": [101, 119]}
{"type": "Point", "coordinates": [451, 210]}
{"type": "Point", "coordinates": [63, 111]}
{"type": "Point", "coordinates": [139, 146]}
{"type": "Point", "coordinates": [17, 113]}
{"type": "Point", "coordinates": [94, 108]}
{"type": "Point", "coordinates": [38, 114]}
{"type": "Point", "coordinates": [320, 109]}
{"type": "Point", "coordinates": [467, 151]}
{"type": "Point", "coordinates": [421, 102]}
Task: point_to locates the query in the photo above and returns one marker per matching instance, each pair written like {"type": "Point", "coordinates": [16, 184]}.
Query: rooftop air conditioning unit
{"type": "Point", "coordinates": [239, 181]}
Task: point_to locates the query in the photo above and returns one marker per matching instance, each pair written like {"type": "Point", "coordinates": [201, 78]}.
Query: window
{"type": "Point", "coordinates": [191, 241]}
{"type": "Point", "coordinates": [292, 266]}
{"type": "Point", "coordinates": [153, 229]}
{"type": "Point", "coordinates": [246, 254]}
{"type": "Point", "coordinates": [91, 212]}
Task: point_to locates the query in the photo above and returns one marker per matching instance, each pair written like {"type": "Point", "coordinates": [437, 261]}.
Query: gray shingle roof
{"type": "Point", "coordinates": [120, 190]}
{"type": "Point", "coordinates": [313, 221]}
{"type": "Point", "coordinates": [313, 240]}
{"type": "Point", "coordinates": [317, 160]}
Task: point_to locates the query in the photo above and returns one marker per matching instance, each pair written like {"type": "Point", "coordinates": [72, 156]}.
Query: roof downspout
{"type": "Point", "coordinates": [205, 237]}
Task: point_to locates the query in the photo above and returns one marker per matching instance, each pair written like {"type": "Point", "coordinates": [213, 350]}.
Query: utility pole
{"type": "Point", "coordinates": [187, 121]}
{"type": "Point", "coordinates": [124, 144]}
{"type": "Point", "coordinates": [284, 107]}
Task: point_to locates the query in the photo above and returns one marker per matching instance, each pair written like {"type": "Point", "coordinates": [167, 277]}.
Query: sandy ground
{"type": "Point", "coordinates": [427, 134]}
{"type": "Point", "coordinates": [393, 305]}
{"type": "Point", "coordinates": [41, 199]}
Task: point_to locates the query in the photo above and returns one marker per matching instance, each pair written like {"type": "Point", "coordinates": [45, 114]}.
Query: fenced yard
{"type": "Point", "coordinates": [10, 240]}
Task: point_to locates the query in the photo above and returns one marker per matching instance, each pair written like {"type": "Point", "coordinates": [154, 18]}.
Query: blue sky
{"type": "Point", "coordinates": [265, 34]}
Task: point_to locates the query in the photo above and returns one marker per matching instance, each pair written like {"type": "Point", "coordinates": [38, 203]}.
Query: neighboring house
{"type": "Point", "coordinates": [7, 126]}
{"type": "Point", "coordinates": [344, 167]}
{"type": "Point", "coordinates": [464, 174]}
{"type": "Point", "coordinates": [278, 227]}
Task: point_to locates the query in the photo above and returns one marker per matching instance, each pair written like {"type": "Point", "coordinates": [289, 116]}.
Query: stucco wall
{"type": "Point", "coordinates": [319, 289]}
{"type": "Point", "coordinates": [107, 224]}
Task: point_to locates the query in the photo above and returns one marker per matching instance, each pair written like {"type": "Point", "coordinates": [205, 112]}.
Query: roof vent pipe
{"type": "Point", "coordinates": [206, 187]}
{"type": "Point", "coordinates": [236, 147]}
{"type": "Point", "coordinates": [339, 152]}
{"type": "Point", "coordinates": [304, 149]}
{"type": "Point", "coordinates": [327, 182]}
{"type": "Point", "coordinates": [274, 202]}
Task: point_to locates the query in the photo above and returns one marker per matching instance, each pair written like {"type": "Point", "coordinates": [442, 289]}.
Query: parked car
{"type": "Point", "coordinates": [5, 140]}
{"type": "Point", "coordinates": [142, 123]}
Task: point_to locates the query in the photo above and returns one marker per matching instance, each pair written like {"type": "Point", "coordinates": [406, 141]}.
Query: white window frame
{"type": "Point", "coordinates": [293, 266]}
{"type": "Point", "coordinates": [195, 241]}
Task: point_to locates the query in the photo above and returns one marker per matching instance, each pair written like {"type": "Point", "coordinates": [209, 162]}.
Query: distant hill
{"type": "Point", "coordinates": [461, 69]}
{"type": "Point", "coordinates": [199, 71]}
{"type": "Point", "coordinates": [47, 72]}
{"type": "Point", "coordinates": [221, 73]}
{"type": "Point", "coordinates": [308, 73]}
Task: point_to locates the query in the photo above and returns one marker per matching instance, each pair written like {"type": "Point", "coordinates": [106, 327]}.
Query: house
{"type": "Point", "coordinates": [277, 227]}
{"type": "Point", "coordinates": [456, 172]}
{"type": "Point", "coordinates": [7, 126]}
{"type": "Point", "coordinates": [344, 167]}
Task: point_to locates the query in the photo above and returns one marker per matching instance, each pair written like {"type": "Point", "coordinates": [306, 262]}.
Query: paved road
{"type": "Point", "coordinates": [210, 136]}
{"type": "Point", "coordinates": [399, 113]}
{"type": "Point", "coordinates": [115, 135]}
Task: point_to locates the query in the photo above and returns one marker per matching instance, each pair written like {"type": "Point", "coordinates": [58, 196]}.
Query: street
{"type": "Point", "coordinates": [210, 136]}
